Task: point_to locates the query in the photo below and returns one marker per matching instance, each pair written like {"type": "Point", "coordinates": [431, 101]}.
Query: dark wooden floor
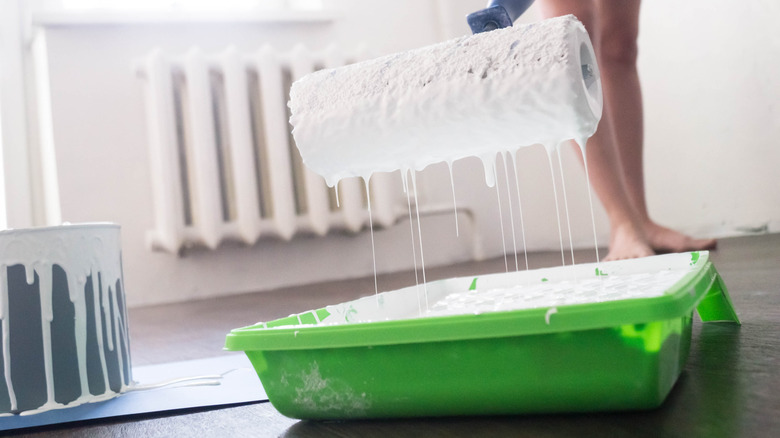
{"type": "Point", "coordinates": [730, 387]}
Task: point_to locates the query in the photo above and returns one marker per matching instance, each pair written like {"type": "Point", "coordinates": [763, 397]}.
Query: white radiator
{"type": "Point", "coordinates": [223, 162]}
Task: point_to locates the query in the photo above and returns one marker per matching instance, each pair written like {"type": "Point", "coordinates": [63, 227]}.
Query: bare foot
{"type": "Point", "coordinates": [664, 240]}
{"type": "Point", "coordinates": [627, 243]}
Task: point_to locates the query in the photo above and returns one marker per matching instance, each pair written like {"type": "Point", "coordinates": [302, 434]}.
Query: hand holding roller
{"type": "Point", "coordinates": [498, 15]}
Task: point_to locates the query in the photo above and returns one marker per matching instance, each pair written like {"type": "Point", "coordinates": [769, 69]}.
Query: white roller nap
{"type": "Point", "coordinates": [472, 96]}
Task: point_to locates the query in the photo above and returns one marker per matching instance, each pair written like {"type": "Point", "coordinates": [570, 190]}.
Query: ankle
{"type": "Point", "coordinates": [630, 225]}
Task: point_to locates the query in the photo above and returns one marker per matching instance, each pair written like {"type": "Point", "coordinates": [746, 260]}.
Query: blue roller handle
{"type": "Point", "coordinates": [498, 14]}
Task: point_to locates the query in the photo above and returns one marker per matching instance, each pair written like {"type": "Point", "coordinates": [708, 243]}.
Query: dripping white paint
{"type": "Point", "coordinates": [64, 321]}
{"type": "Point", "coordinates": [480, 95]}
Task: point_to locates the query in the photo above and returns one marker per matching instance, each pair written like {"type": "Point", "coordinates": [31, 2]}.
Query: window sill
{"type": "Point", "coordinates": [107, 18]}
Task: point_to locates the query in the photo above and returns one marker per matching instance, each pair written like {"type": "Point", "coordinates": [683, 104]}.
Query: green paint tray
{"type": "Point", "coordinates": [568, 339]}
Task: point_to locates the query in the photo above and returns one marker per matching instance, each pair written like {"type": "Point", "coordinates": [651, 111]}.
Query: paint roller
{"type": "Point", "coordinates": [477, 95]}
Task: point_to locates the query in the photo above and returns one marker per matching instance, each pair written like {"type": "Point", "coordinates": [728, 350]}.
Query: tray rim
{"type": "Point", "coordinates": [682, 298]}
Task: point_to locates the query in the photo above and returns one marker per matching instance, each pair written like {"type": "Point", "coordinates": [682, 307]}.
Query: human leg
{"type": "Point", "coordinates": [627, 238]}
{"type": "Point", "coordinates": [616, 52]}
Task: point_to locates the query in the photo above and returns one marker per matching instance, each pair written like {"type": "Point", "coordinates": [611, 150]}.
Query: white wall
{"type": "Point", "coordinates": [101, 140]}
{"type": "Point", "coordinates": [710, 76]}
{"type": "Point", "coordinates": [711, 117]}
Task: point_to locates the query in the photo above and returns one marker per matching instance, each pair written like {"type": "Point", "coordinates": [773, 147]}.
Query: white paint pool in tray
{"type": "Point", "coordinates": [540, 288]}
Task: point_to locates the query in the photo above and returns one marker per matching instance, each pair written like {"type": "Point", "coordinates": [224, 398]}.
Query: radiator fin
{"type": "Point", "coordinates": [223, 161]}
